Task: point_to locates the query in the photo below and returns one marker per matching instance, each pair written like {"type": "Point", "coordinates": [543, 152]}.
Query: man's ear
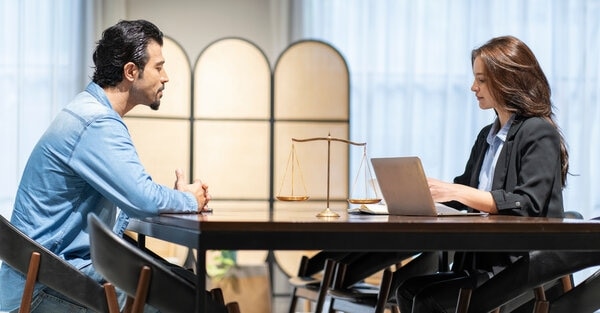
{"type": "Point", "coordinates": [130, 71]}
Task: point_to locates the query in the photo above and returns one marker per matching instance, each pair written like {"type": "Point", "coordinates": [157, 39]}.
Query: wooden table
{"type": "Point", "coordinates": [295, 229]}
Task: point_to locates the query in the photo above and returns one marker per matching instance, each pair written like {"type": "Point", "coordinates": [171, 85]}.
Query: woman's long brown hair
{"type": "Point", "coordinates": [517, 80]}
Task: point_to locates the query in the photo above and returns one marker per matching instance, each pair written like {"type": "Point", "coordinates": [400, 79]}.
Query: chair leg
{"type": "Point", "coordinates": [233, 307]}
{"type": "Point", "coordinates": [32, 272]}
{"type": "Point", "coordinates": [293, 302]}
{"type": "Point", "coordinates": [141, 292]}
{"type": "Point", "coordinates": [464, 299]}
{"type": "Point", "coordinates": [301, 271]}
{"type": "Point", "coordinates": [111, 298]}
{"type": "Point", "coordinates": [567, 282]}
{"type": "Point", "coordinates": [384, 291]}
{"type": "Point", "coordinates": [325, 284]}
{"type": "Point", "coordinates": [541, 304]}
{"type": "Point", "coordinates": [217, 295]}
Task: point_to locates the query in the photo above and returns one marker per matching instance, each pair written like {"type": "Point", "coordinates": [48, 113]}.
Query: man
{"type": "Point", "coordinates": [85, 163]}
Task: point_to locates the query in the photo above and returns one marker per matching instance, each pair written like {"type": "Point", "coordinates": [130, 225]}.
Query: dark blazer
{"type": "Point", "coordinates": [527, 180]}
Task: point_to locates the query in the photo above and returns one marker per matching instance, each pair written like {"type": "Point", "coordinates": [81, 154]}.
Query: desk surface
{"type": "Point", "coordinates": [296, 229]}
{"type": "Point", "coordinates": [288, 229]}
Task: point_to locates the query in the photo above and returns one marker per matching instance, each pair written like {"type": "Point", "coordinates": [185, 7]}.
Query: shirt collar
{"type": "Point", "coordinates": [97, 92]}
{"type": "Point", "coordinates": [500, 134]}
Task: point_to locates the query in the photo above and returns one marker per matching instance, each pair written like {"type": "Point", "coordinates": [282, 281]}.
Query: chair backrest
{"type": "Point", "coordinates": [582, 298]}
{"type": "Point", "coordinates": [360, 300]}
{"type": "Point", "coordinates": [17, 249]}
{"type": "Point", "coordinates": [121, 264]}
{"type": "Point", "coordinates": [573, 214]}
{"type": "Point", "coordinates": [537, 271]}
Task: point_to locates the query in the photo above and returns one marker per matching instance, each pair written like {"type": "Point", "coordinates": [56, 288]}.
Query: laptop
{"type": "Point", "coordinates": [405, 191]}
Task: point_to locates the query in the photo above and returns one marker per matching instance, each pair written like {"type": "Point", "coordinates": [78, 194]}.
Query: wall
{"type": "Point", "coordinates": [194, 24]}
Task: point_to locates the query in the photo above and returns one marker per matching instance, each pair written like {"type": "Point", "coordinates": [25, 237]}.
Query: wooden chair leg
{"type": "Point", "coordinates": [541, 304]}
{"type": "Point", "coordinates": [32, 272]}
{"type": "Point", "coordinates": [111, 298]}
{"type": "Point", "coordinates": [232, 307]}
{"type": "Point", "coordinates": [567, 283]}
{"type": "Point", "coordinates": [141, 292]}
{"type": "Point", "coordinates": [464, 299]}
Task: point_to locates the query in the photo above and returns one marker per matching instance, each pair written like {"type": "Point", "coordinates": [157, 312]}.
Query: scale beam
{"type": "Point", "coordinates": [327, 212]}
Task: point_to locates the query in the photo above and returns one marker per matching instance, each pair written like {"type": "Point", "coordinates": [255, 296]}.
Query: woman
{"type": "Point", "coordinates": [518, 166]}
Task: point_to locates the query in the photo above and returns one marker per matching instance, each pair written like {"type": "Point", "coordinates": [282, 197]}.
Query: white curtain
{"type": "Point", "coordinates": [411, 74]}
{"type": "Point", "coordinates": [45, 59]}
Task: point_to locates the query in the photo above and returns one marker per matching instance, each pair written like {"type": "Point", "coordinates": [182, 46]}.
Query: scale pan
{"type": "Point", "coordinates": [292, 198]}
{"type": "Point", "coordinates": [364, 201]}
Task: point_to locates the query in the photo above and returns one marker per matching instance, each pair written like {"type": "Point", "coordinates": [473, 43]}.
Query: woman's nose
{"type": "Point", "coordinates": [474, 87]}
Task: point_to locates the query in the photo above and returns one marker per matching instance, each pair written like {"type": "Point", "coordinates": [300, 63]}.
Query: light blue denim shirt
{"type": "Point", "coordinates": [495, 139]}
{"type": "Point", "coordinates": [84, 163]}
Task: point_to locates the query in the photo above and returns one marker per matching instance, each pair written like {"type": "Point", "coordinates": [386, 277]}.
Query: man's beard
{"type": "Point", "coordinates": [155, 105]}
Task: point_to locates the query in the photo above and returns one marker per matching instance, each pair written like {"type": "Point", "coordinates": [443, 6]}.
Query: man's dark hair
{"type": "Point", "coordinates": [124, 42]}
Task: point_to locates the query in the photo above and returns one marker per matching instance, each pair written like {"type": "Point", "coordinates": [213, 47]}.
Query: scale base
{"type": "Point", "coordinates": [327, 213]}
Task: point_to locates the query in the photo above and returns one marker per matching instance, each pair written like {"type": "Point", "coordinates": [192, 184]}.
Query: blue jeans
{"type": "Point", "coordinates": [50, 301]}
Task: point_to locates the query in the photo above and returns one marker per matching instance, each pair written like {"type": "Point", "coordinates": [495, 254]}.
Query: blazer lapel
{"type": "Point", "coordinates": [505, 155]}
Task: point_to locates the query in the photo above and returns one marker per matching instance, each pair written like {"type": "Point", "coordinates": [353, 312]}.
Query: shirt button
{"type": "Point", "coordinates": [518, 204]}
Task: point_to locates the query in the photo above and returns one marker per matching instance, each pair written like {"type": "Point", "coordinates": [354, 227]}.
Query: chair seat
{"type": "Point", "coordinates": [364, 286]}
{"type": "Point", "coordinates": [304, 282]}
{"type": "Point", "coordinates": [361, 295]}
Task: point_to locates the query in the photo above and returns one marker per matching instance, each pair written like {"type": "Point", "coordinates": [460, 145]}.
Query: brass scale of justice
{"type": "Point", "coordinates": [364, 167]}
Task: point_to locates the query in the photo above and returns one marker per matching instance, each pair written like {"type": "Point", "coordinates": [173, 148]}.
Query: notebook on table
{"type": "Point", "coordinates": [405, 191]}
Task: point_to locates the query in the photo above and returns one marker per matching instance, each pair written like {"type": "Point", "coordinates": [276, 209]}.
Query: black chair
{"type": "Point", "coordinates": [360, 299]}
{"type": "Point", "coordinates": [581, 299]}
{"type": "Point", "coordinates": [313, 278]}
{"type": "Point", "coordinates": [349, 293]}
{"type": "Point", "coordinates": [540, 282]}
{"type": "Point", "coordinates": [530, 277]}
{"type": "Point", "coordinates": [39, 264]}
{"type": "Point", "coordinates": [144, 279]}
